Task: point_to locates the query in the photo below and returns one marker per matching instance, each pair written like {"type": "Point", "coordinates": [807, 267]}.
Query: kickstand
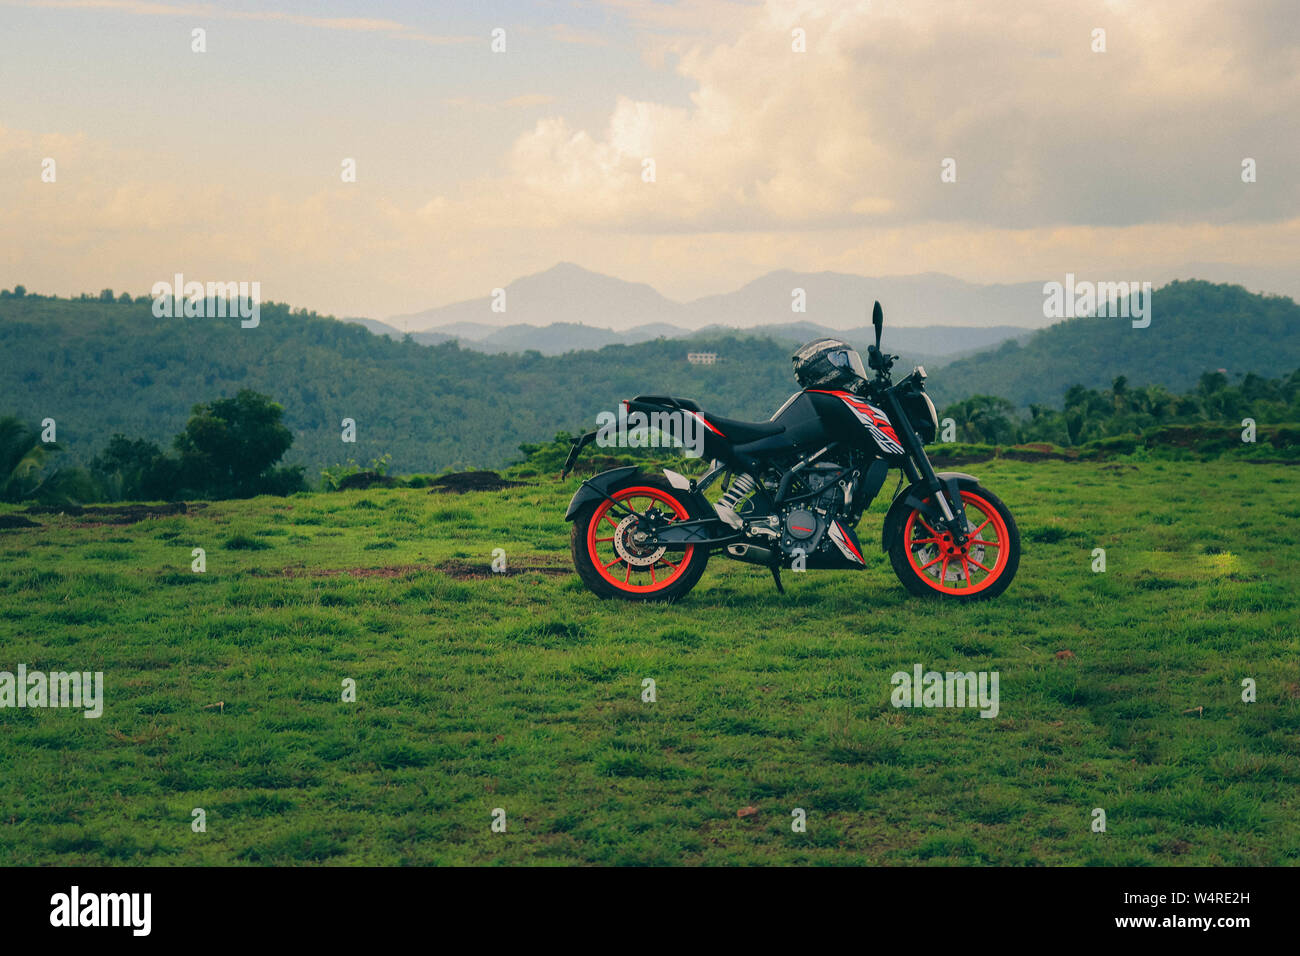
{"type": "Point", "coordinates": [776, 576]}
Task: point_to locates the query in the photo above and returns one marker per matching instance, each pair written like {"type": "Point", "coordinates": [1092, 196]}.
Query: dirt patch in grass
{"type": "Point", "coordinates": [459, 569]}
{"type": "Point", "coordinates": [298, 571]}
{"type": "Point", "coordinates": [116, 514]}
{"type": "Point", "coordinates": [366, 479]}
{"type": "Point", "coordinates": [1038, 451]}
{"type": "Point", "coordinates": [471, 570]}
{"type": "Point", "coordinates": [464, 481]}
{"type": "Point", "coordinates": [17, 521]}
{"type": "Point", "coordinates": [396, 572]}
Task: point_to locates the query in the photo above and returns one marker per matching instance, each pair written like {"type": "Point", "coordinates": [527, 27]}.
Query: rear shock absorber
{"type": "Point", "coordinates": [741, 486]}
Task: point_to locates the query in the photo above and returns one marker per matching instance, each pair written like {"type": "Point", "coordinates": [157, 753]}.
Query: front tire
{"type": "Point", "coordinates": [930, 564]}
{"type": "Point", "coordinates": [611, 564]}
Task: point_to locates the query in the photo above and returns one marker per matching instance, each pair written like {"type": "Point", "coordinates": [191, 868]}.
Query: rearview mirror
{"type": "Point", "coordinates": [878, 320]}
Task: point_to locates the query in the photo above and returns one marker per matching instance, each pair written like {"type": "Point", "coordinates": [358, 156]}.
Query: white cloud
{"type": "Point", "coordinates": [1124, 163]}
{"type": "Point", "coordinates": [853, 131]}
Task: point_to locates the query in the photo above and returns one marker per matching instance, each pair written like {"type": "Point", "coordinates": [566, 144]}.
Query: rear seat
{"type": "Point", "coordinates": [742, 433]}
{"type": "Point", "coordinates": [684, 403]}
{"type": "Point", "coordinates": [735, 431]}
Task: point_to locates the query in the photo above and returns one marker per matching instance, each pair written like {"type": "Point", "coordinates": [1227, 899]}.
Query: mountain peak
{"type": "Point", "coordinates": [566, 269]}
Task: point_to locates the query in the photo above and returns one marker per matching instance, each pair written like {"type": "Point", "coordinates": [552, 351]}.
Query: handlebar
{"type": "Point", "coordinates": [878, 360]}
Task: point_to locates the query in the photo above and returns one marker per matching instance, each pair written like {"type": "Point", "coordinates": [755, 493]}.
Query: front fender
{"type": "Point", "coordinates": [897, 512]}
{"type": "Point", "coordinates": [590, 490]}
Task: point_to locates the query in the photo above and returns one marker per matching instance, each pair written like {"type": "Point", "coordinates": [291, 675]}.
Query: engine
{"type": "Point", "coordinates": [803, 523]}
{"type": "Point", "coordinates": [815, 531]}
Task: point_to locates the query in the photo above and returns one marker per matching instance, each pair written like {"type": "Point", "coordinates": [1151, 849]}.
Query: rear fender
{"type": "Point", "coordinates": [597, 488]}
{"type": "Point", "coordinates": [600, 486]}
{"type": "Point", "coordinates": [912, 498]}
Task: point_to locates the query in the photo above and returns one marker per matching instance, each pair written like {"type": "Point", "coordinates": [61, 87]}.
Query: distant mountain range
{"type": "Point", "coordinates": [568, 308]}
{"type": "Point", "coordinates": [570, 295]}
{"type": "Point", "coordinates": [929, 342]}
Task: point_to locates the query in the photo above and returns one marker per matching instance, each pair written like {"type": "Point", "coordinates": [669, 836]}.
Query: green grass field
{"type": "Point", "coordinates": [1119, 690]}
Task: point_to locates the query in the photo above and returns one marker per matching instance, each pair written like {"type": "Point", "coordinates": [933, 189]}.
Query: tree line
{"type": "Point", "coordinates": [1091, 414]}
{"type": "Point", "coordinates": [232, 447]}
{"type": "Point", "coordinates": [229, 448]}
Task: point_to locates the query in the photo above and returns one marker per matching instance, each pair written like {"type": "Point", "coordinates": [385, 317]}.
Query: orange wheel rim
{"type": "Point", "coordinates": [966, 569]}
{"type": "Point", "coordinates": [619, 559]}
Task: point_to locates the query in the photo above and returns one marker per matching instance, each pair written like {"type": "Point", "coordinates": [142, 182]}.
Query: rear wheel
{"type": "Point", "coordinates": [930, 563]}
{"type": "Point", "coordinates": [613, 563]}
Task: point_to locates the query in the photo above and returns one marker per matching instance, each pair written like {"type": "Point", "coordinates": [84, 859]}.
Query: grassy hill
{"type": "Point", "coordinates": [99, 368]}
{"type": "Point", "coordinates": [1195, 327]}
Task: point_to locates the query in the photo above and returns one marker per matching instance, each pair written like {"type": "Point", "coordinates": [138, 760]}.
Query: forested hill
{"type": "Point", "coordinates": [100, 367]}
{"type": "Point", "coordinates": [1195, 327]}
{"type": "Point", "coordinates": [104, 367]}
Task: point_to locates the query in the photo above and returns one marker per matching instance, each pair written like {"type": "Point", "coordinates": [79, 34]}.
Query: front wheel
{"type": "Point", "coordinates": [613, 564]}
{"type": "Point", "coordinates": [931, 564]}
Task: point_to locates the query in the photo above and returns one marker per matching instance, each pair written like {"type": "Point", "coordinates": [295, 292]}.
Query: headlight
{"type": "Point", "coordinates": [921, 415]}
{"type": "Point", "coordinates": [934, 414]}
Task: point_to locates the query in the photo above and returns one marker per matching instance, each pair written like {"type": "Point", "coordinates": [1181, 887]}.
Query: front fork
{"type": "Point", "coordinates": [951, 511]}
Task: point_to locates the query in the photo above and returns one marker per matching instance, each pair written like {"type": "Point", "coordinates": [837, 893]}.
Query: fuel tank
{"type": "Point", "coordinates": [813, 419]}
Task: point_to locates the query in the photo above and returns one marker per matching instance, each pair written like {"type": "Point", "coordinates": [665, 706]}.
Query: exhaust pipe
{"type": "Point", "coordinates": [750, 553]}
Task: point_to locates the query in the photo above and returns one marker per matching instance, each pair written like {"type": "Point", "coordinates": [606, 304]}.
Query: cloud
{"type": "Point", "coordinates": [1121, 164]}
{"type": "Point", "coordinates": [853, 132]}
{"type": "Point", "coordinates": [117, 219]}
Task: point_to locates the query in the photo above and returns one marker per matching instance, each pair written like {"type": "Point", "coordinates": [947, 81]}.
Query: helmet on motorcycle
{"type": "Point", "coordinates": [827, 363]}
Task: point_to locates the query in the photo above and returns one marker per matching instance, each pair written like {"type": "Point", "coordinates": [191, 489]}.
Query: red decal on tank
{"type": "Point", "coordinates": [875, 420]}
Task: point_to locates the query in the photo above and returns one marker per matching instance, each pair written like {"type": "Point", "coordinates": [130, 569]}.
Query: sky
{"type": "Point", "coordinates": [783, 135]}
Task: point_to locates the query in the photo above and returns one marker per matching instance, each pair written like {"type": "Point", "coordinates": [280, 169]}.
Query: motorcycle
{"type": "Point", "coordinates": [794, 490]}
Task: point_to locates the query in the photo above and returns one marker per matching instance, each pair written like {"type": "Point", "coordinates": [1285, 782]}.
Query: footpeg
{"type": "Point", "coordinates": [728, 516]}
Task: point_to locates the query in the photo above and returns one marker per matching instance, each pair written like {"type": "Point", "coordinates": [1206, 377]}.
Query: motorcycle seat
{"type": "Point", "coordinates": [742, 433]}
{"type": "Point", "coordinates": [735, 431]}
{"type": "Point", "coordinates": [682, 403]}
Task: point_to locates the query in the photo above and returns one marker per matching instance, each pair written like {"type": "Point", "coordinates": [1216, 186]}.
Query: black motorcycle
{"type": "Point", "coordinates": [794, 489]}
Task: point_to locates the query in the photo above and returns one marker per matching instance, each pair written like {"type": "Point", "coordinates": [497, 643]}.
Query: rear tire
{"type": "Point", "coordinates": [928, 565]}
{"type": "Point", "coordinates": [596, 536]}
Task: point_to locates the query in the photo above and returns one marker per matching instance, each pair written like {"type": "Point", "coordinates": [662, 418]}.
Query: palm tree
{"type": "Point", "coordinates": [983, 418]}
{"type": "Point", "coordinates": [22, 457]}
{"type": "Point", "coordinates": [1119, 392]}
